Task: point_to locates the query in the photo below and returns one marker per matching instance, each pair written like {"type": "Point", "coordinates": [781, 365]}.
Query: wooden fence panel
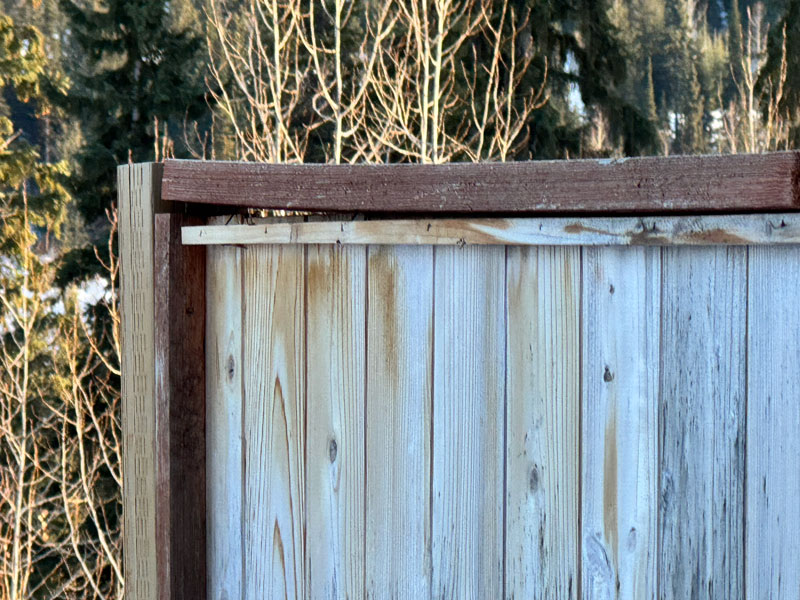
{"type": "Point", "coordinates": [468, 440]}
{"type": "Point", "coordinates": [399, 377]}
{"type": "Point", "coordinates": [542, 452]}
{"type": "Point", "coordinates": [701, 423]}
{"type": "Point", "coordinates": [400, 421]}
{"type": "Point", "coordinates": [274, 405]}
{"type": "Point", "coordinates": [335, 467]}
{"type": "Point", "coordinates": [773, 424]}
{"type": "Point", "coordinates": [224, 405]}
{"type": "Point", "coordinates": [489, 407]}
{"type": "Point", "coordinates": [619, 474]}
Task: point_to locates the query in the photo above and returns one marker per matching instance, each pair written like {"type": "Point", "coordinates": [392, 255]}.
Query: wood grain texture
{"type": "Point", "coordinates": [543, 404]}
{"type": "Point", "coordinates": [468, 432]}
{"type": "Point", "coordinates": [399, 361]}
{"type": "Point", "coordinates": [773, 422]}
{"type": "Point", "coordinates": [619, 440]}
{"type": "Point", "coordinates": [274, 401]}
{"type": "Point", "coordinates": [224, 425]}
{"type": "Point", "coordinates": [782, 228]}
{"type": "Point", "coordinates": [701, 423]}
{"type": "Point", "coordinates": [138, 189]}
{"type": "Point", "coordinates": [180, 302]}
{"type": "Point", "coordinates": [335, 461]}
{"type": "Point", "coordinates": [707, 183]}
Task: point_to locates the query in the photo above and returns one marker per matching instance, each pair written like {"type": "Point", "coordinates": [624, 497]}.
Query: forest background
{"type": "Point", "coordinates": [90, 84]}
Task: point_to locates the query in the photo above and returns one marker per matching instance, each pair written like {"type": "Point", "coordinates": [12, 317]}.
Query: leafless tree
{"type": "Point", "coordinates": [752, 121]}
{"type": "Point", "coordinates": [429, 82]}
{"type": "Point", "coordinates": [59, 431]}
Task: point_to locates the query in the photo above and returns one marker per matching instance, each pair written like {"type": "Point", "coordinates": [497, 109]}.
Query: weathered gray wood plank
{"type": "Point", "coordinates": [468, 439]}
{"type": "Point", "coordinates": [224, 424]}
{"type": "Point", "coordinates": [619, 442]}
{"type": "Point", "coordinates": [543, 404]}
{"type": "Point", "coordinates": [335, 459]}
{"type": "Point", "coordinates": [274, 401]}
{"type": "Point", "coordinates": [572, 231]}
{"type": "Point", "coordinates": [701, 423]}
{"type": "Point", "coordinates": [399, 450]}
{"type": "Point", "coordinates": [773, 424]}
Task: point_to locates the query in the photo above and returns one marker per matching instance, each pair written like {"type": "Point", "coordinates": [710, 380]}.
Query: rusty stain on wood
{"type": "Point", "coordinates": [578, 228]}
{"type": "Point", "coordinates": [384, 280]}
{"type": "Point", "coordinates": [718, 237]}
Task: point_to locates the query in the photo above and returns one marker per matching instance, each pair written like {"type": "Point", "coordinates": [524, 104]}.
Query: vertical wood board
{"type": "Point", "coordinates": [224, 419]}
{"type": "Point", "coordinates": [180, 301]}
{"type": "Point", "coordinates": [335, 465]}
{"type": "Point", "coordinates": [488, 422]}
{"type": "Point", "coordinates": [468, 412]}
{"type": "Point", "coordinates": [274, 403]}
{"type": "Point", "coordinates": [542, 455]}
{"type": "Point", "coordinates": [773, 424]}
{"type": "Point", "coordinates": [701, 423]}
{"type": "Point", "coordinates": [619, 440]}
{"type": "Point", "coordinates": [399, 361]}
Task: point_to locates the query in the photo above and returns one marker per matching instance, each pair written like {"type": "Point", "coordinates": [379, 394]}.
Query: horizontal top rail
{"type": "Point", "coordinates": [751, 229]}
{"type": "Point", "coordinates": [710, 184]}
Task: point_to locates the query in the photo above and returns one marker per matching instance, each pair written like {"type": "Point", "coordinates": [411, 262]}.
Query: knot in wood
{"type": "Point", "coordinates": [332, 450]}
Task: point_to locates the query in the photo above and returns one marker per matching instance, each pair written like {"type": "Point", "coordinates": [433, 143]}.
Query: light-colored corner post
{"type": "Point", "coordinates": [139, 189]}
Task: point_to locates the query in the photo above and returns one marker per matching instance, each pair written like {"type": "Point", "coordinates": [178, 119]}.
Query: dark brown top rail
{"type": "Point", "coordinates": [722, 183]}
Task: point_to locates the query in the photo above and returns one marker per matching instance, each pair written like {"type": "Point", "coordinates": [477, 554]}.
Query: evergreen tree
{"type": "Point", "coordinates": [735, 46]}
{"type": "Point", "coordinates": [650, 94]}
{"type": "Point", "coordinates": [583, 47]}
{"type": "Point", "coordinates": [714, 12]}
{"type": "Point", "coordinates": [693, 140]}
{"type": "Point", "coordinates": [33, 203]}
{"type": "Point", "coordinates": [784, 49]}
{"type": "Point", "coordinates": [135, 69]}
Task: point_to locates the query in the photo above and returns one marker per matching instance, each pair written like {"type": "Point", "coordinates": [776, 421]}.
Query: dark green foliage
{"type": "Point", "coordinates": [134, 69]}
{"type": "Point", "coordinates": [583, 48]}
{"type": "Point", "coordinates": [735, 45]}
{"type": "Point", "coordinates": [784, 45]}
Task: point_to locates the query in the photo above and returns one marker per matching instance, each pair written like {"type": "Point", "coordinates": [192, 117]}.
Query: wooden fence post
{"type": "Point", "coordinates": [163, 394]}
